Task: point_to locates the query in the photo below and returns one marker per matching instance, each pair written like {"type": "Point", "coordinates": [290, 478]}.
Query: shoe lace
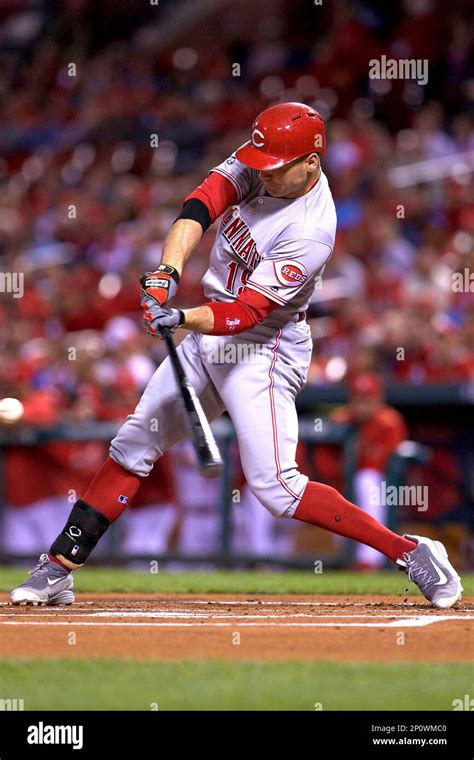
{"type": "Point", "coordinates": [41, 565]}
{"type": "Point", "coordinates": [419, 573]}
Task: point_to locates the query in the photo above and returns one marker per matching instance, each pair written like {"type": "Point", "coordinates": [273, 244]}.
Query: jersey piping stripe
{"type": "Point", "coordinates": [231, 179]}
{"type": "Point", "coordinates": [265, 292]}
{"type": "Point", "coordinates": [276, 452]}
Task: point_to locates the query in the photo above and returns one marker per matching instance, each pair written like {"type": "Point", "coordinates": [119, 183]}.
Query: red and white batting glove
{"type": "Point", "coordinates": [155, 316]}
{"type": "Point", "coordinates": [161, 284]}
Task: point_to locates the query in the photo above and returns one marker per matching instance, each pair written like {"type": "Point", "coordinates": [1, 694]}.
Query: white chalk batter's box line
{"type": "Point", "coordinates": [412, 622]}
{"type": "Point", "coordinates": [173, 614]}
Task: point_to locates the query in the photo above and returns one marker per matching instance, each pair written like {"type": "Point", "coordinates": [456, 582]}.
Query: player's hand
{"type": "Point", "coordinates": [161, 284]}
{"type": "Point", "coordinates": [155, 316]}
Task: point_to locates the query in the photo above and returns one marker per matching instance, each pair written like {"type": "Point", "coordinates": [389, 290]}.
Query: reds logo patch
{"type": "Point", "coordinates": [290, 272]}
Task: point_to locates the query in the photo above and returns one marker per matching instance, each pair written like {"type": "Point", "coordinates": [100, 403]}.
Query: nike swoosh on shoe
{"type": "Point", "coordinates": [442, 577]}
{"type": "Point", "coordinates": [53, 583]}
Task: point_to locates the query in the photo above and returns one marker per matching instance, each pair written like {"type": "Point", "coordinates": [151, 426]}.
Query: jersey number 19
{"type": "Point", "coordinates": [234, 267]}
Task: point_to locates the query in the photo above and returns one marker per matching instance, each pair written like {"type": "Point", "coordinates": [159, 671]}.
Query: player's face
{"type": "Point", "coordinates": [294, 179]}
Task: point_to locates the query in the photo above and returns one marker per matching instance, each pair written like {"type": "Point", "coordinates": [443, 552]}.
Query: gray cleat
{"type": "Point", "coordinates": [429, 568]}
{"type": "Point", "coordinates": [49, 584]}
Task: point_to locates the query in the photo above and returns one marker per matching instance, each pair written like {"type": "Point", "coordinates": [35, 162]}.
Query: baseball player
{"type": "Point", "coordinates": [248, 352]}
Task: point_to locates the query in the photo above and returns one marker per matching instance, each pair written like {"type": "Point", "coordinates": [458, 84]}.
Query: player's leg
{"type": "Point", "coordinates": [425, 561]}
{"type": "Point", "coordinates": [258, 389]}
{"type": "Point", "coordinates": [253, 527]}
{"type": "Point", "coordinates": [156, 424]}
{"type": "Point", "coordinates": [260, 397]}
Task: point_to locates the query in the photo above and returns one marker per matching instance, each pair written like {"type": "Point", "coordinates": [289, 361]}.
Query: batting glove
{"type": "Point", "coordinates": [161, 284]}
{"type": "Point", "coordinates": [155, 317]}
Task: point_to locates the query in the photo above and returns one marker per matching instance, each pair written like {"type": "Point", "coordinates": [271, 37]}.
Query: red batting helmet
{"type": "Point", "coordinates": [282, 133]}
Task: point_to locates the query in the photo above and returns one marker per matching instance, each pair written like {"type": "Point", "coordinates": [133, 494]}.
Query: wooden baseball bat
{"type": "Point", "coordinates": [207, 452]}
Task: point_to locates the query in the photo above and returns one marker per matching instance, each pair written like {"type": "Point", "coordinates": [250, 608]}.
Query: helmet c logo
{"type": "Point", "coordinates": [257, 138]}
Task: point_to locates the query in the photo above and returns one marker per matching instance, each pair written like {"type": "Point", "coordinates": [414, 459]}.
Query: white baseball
{"type": "Point", "coordinates": [11, 410]}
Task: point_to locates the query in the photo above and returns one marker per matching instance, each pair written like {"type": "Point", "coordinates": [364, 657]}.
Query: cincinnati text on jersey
{"type": "Point", "coordinates": [239, 237]}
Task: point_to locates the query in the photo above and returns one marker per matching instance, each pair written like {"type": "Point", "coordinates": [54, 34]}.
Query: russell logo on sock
{"type": "Point", "coordinates": [123, 499]}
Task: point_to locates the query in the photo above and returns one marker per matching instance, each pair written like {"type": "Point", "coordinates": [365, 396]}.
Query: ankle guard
{"type": "Point", "coordinates": [80, 534]}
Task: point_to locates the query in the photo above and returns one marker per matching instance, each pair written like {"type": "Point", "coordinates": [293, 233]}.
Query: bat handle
{"type": "Point", "coordinates": [168, 338]}
{"type": "Point", "coordinates": [167, 335]}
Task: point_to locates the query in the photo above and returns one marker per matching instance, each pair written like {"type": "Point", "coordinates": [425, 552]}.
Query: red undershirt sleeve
{"type": "Point", "coordinates": [248, 309]}
{"type": "Point", "coordinates": [217, 193]}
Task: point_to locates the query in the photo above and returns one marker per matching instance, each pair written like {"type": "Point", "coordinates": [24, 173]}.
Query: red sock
{"type": "Point", "coordinates": [58, 562]}
{"type": "Point", "coordinates": [112, 490]}
{"type": "Point", "coordinates": [325, 507]}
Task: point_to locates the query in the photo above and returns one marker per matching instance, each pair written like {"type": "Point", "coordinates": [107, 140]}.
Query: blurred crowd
{"type": "Point", "coordinates": [101, 138]}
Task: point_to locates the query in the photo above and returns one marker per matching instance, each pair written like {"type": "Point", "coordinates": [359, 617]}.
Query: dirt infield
{"type": "Point", "coordinates": [163, 627]}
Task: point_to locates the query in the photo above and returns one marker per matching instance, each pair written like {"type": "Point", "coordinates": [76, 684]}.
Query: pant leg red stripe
{"type": "Point", "coordinates": [276, 453]}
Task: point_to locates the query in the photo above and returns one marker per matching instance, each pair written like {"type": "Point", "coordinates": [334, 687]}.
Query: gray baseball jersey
{"type": "Point", "coordinates": [277, 247]}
